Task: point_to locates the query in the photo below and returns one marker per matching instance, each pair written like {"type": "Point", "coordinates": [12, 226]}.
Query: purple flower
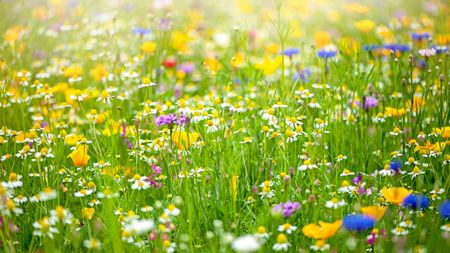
{"type": "Point", "coordinates": [286, 209]}
{"type": "Point", "coordinates": [182, 120]}
{"type": "Point", "coordinates": [171, 119]}
{"type": "Point", "coordinates": [166, 120]}
{"type": "Point", "coordinates": [357, 180]}
{"type": "Point", "coordinates": [370, 102]}
{"type": "Point", "coordinates": [187, 67]}
{"type": "Point", "coordinates": [129, 145]}
{"type": "Point", "coordinates": [124, 130]}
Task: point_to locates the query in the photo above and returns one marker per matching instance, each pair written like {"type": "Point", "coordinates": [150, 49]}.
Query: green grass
{"type": "Point", "coordinates": [236, 85]}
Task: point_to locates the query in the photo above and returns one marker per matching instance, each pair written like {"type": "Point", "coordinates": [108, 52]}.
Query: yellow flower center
{"type": "Point", "coordinates": [281, 238]}
{"type": "Point", "coordinates": [262, 229]}
{"type": "Point", "coordinates": [320, 243]}
{"type": "Point", "coordinates": [59, 212]}
{"type": "Point", "coordinates": [10, 205]}
{"type": "Point", "coordinates": [12, 177]}
{"type": "Point", "coordinates": [171, 207]}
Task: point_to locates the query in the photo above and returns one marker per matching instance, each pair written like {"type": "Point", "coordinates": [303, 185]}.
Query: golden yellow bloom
{"type": "Point", "coordinates": [148, 47]}
{"type": "Point", "coordinates": [72, 139]}
{"type": "Point", "coordinates": [356, 8]}
{"type": "Point", "coordinates": [376, 212]}
{"type": "Point", "coordinates": [80, 156]}
{"type": "Point", "coordinates": [269, 66]}
{"type": "Point", "coordinates": [348, 46]}
{"type": "Point", "coordinates": [322, 231]}
{"type": "Point", "coordinates": [99, 72]}
{"type": "Point", "coordinates": [322, 38]}
{"type": "Point", "coordinates": [233, 186]}
{"type": "Point", "coordinates": [12, 34]}
{"type": "Point", "coordinates": [183, 140]}
{"type": "Point", "coordinates": [395, 195]}
{"type": "Point", "coordinates": [87, 213]}
{"type": "Point", "coordinates": [73, 71]}
{"type": "Point", "coordinates": [365, 25]}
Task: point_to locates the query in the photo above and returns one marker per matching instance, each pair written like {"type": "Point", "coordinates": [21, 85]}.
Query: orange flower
{"type": "Point", "coordinates": [376, 212]}
{"type": "Point", "coordinates": [80, 156]}
{"type": "Point", "coordinates": [322, 231]}
{"type": "Point", "coordinates": [395, 195]}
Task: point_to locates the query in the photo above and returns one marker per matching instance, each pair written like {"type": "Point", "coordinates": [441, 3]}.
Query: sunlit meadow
{"type": "Point", "coordinates": [224, 126]}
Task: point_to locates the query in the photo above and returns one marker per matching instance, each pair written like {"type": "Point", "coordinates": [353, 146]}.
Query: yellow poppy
{"type": "Point", "coordinates": [395, 195]}
{"type": "Point", "coordinates": [80, 156]}
{"type": "Point", "coordinates": [322, 231]}
{"type": "Point", "coordinates": [376, 212]}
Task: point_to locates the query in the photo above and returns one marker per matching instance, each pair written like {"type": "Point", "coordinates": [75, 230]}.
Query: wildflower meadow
{"type": "Point", "coordinates": [224, 126]}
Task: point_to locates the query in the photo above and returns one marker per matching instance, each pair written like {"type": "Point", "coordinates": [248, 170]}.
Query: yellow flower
{"type": "Point", "coordinates": [233, 186]}
{"type": "Point", "coordinates": [269, 66]}
{"type": "Point", "coordinates": [322, 231]}
{"type": "Point", "coordinates": [395, 195]}
{"type": "Point", "coordinates": [87, 213]}
{"type": "Point", "coordinates": [365, 25]}
{"type": "Point", "coordinates": [72, 139]}
{"type": "Point", "coordinates": [348, 46]}
{"type": "Point", "coordinates": [148, 47]}
{"type": "Point", "coordinates": [99, 72]}
{"type": "Point", "coordinates": [322, 38]}
{"type": "Point", "coordinates": [356, 8]}
{"type": "Point", "coordinates": [183, 140]}
{"type": "Point", "coordinates": [179, 41]}
{"type": "Point", "coordinates": [376, 212]}
{"type": "Point", "coordinates": [73, 71]}
{"type": "Point", "coordinates": [80, 156]}
{"type": "Point", "coordinates": [12, 34]}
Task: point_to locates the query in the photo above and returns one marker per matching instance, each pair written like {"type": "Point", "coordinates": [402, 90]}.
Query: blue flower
{"type": "Point", "coordinates": [440, 49]}
{"type": "Point", "coordinates": [416, 201]}
{"type": "Point", "coordinates": [141, 31]}
{"type": "Point", "coordinates": [290, 52]}
{"type": "Point", "coordinates": [370, 47]}
{"type": "Point", "coordinates": [303, 75]}
{"type": "Point", "coordinates": [420, 36]}
{"type": "Point", "coordinates": [326, 54]}
{"type": "Point", "coordinates": [397, 47]}
{"type": "Point", "coordinates": [396, 164]}
{"type": "Point", "coordinates": [358, 222]}
{"type": "Point", "coordinates": [445, 210]}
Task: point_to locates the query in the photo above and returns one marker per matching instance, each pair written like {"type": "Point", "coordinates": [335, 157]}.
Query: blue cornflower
{"type": "Point", "coordinates": [303, 75]}
{"type": "Point", "coordinates": [396, 164]}
{"type": "Point", "coordinates": [290, 52]}
{"type": "Point", "coordinates": [326, 54]}
{"type": "Point", "coordinates": [420, 36]}
{"type": "Point", "coordinates": [358, 222]}
{"type": "Point", "coordinates": [416, 201]}
{"type": "Point", "coordinates": [370, 48]}
{"type": "Point", "coordinates": [440, 49]}
{"type": "Point", "coordinates": [141, 31]}
{"type": "Point", "coordinates": [445, 210]}
{"type": "Point", "coordinates": [397, 47]}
